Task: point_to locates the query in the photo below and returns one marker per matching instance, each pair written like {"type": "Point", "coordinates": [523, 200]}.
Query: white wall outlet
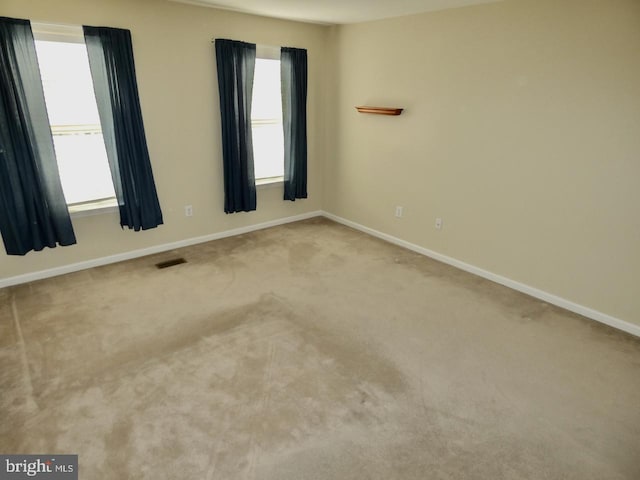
{"type": "Point", "coordinates": [398, 212]}
{"type": "Point", "coordinates": [188, 210]}
{"type": "Point", "coordinates": [438, 223]}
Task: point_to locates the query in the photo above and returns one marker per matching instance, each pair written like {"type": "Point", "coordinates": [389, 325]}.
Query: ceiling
{"type": "Point", "coordinates": [335, 11]}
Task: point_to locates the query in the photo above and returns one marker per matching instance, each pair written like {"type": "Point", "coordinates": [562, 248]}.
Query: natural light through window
{"type": "Point", "coordinates": [266, 120]}
{"type": "Point", "coordinates": [75, 123]}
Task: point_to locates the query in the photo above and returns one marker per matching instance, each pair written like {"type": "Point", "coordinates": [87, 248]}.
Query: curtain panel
{"type": "Point", "coordinates": [293, 65]}
{"type": "Point", "coordinates": [33, 210]}
{"type": "Point", "coordinates": [236, 66]}
{"type": "Point", "coordinates": [114, 80]}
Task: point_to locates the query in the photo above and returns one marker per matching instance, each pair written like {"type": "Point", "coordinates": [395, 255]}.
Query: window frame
{"type": "Point", "coordinates": [50, 32]}
{"type": "Point", "coordinates": [268, 52]}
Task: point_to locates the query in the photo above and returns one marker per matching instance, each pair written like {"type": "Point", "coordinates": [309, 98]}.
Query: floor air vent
{"type": "Point", "coordinates": [171, 263]}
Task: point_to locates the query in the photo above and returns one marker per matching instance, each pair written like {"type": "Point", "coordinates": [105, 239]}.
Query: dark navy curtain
{"type": "Point", "coordinates": [33, 210]}
{"type": "Point", "coordinates": [293, 66]}
{"type": "Point", "coordinates": [114, 82]}
{"type": "Point", "coordinates": [236, 65]}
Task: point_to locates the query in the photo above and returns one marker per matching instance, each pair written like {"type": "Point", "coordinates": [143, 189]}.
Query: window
{"type": "Point", "coordinates": [266, 120]}
{"type": "Point", "coordinates": [73, 115]}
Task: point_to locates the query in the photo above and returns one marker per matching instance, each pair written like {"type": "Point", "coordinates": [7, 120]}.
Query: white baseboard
{"type": "Point", "coordinates": [623, 325]}
{"type": "Point", "coordinates": [98, 262]}
{"type": "Point", "coordinates": [617, 323]}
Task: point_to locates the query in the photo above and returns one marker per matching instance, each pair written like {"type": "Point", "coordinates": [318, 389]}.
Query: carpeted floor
{"type": "Point", "coordinates": [311, 351]}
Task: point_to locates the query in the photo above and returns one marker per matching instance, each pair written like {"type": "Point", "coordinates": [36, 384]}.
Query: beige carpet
{"type": "Point", "coordinates": [311, 351]}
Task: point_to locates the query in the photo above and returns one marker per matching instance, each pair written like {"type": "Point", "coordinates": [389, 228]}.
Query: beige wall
{"type": "Point", "coordinates": [521, 130]}
{"type": "Point", "coordinates": [178, 92]}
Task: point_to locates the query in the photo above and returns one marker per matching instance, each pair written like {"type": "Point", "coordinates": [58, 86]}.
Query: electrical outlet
{"type": "Point", "coordinates": [188, 210]}
{"type": "Point", "coordinates": [399, 212]}
{"type": "Point", "coordinates": [438, 223]}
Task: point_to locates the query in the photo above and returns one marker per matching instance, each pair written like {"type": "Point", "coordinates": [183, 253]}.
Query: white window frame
{"type": "Point", "coordinates": [268, 52]}
{"type": "Point", "coordinates": [73, 34]}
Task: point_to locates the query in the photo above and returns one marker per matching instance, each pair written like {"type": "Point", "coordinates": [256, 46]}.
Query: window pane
{"type": "Point", "coordinates": [84, 169]}
{"type": "Point", "coordinates": [267, 100]}
{"type": "Point", "coordinates": [268, 150]}
{"type": "Point", "coordinates": [66, 79]}
{"type": "Point", "coordinates": [266, 119]}
{"type": "Point", "coordinates": [75, 123]}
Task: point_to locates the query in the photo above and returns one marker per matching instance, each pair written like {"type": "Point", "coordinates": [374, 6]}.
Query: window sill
{"type": "Point", "coordinates": [98, 207]}
{"type": "Point", "coordinates": [270, 182]}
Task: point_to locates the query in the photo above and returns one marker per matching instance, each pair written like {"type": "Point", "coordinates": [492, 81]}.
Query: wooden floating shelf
{"type": "Point", "coordinates": [380, 110]}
